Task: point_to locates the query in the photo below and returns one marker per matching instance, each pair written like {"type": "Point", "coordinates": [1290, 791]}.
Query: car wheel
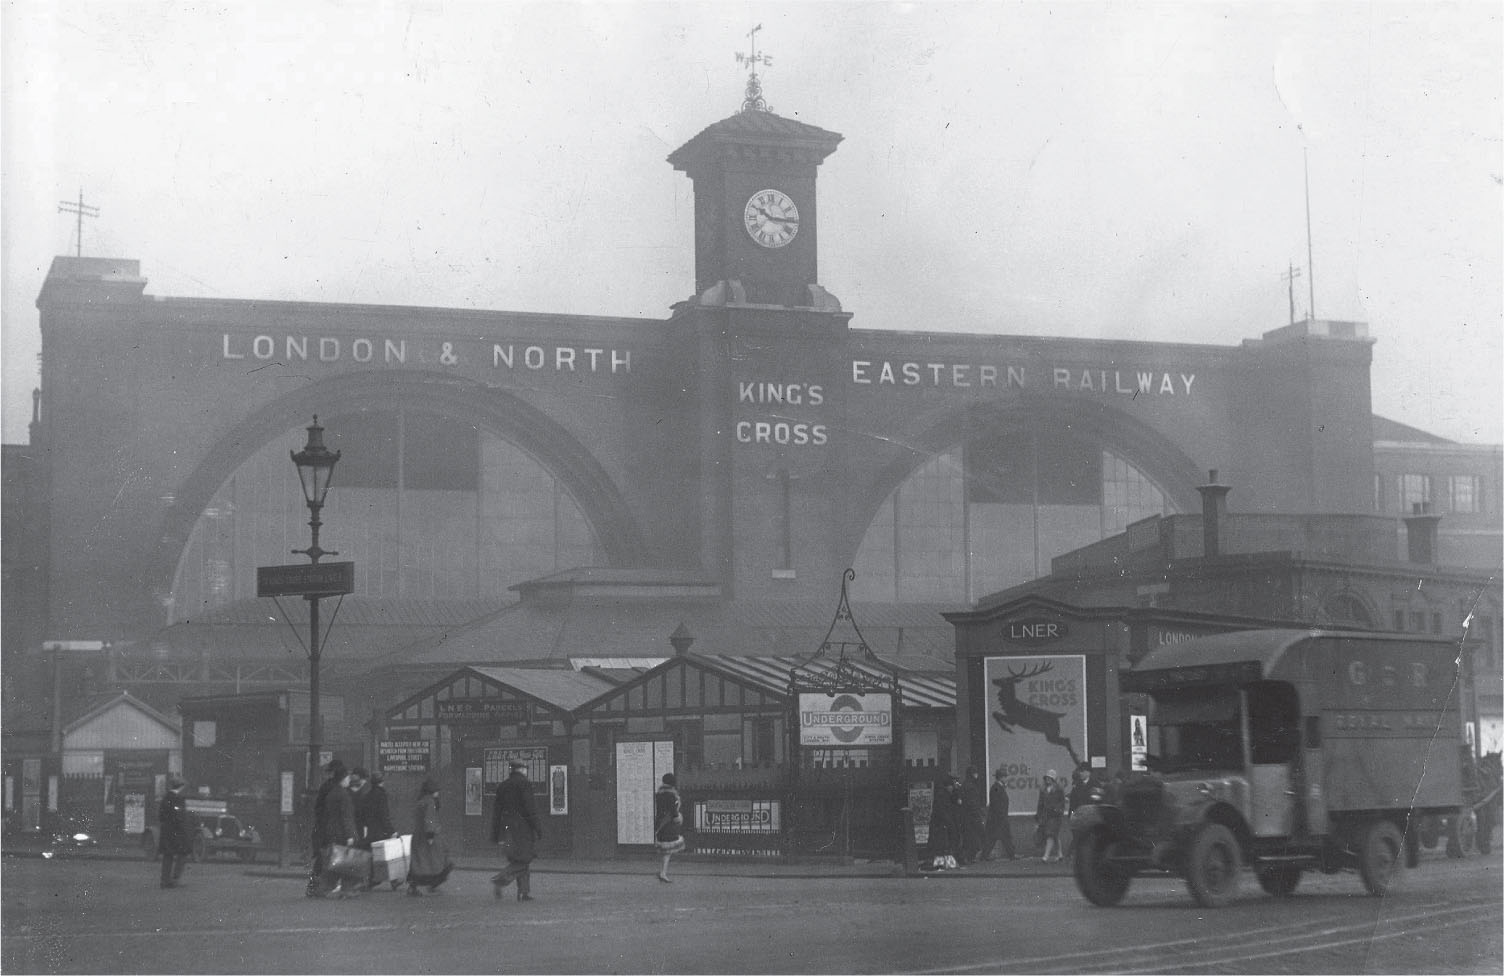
{"type": "Point", "coordinates": [1381, 858]}
{"type": "Point", "coordinates": [1212, 866]}
{"type": "Point", "coordinates": [1099, 880]}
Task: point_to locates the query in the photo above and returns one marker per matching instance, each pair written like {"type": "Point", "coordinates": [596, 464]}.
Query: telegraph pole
{"type": "Point", "coordinates": [81, 210]}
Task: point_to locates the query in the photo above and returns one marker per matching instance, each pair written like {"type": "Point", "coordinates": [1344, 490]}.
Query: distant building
{"type": "Point", "coordinates": [1168, 578]}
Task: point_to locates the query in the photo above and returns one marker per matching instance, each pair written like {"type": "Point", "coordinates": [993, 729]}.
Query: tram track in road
{"type": "Point", "coordinates": [1251, 950]}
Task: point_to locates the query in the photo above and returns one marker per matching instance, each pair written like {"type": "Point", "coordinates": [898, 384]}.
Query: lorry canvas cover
{"type": "Point", "coordinates": [1387, 704]}
{"type": "Point", "coordinates": [1241, 656]}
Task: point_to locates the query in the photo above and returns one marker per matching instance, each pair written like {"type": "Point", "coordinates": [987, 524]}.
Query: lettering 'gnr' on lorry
{"type": "Point", "coordinates": [1285, 751]}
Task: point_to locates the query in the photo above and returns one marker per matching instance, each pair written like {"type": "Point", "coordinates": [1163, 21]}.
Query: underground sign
{"type": "Point", "coordinates": [845, 720]}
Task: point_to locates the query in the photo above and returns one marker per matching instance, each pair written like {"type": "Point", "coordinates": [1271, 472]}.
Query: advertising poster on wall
{"type": "Point", "coordinates": [1036, 721]}
{"type": "Point", "coordinates": [639, 768]}
{"type": "Point", "coordinates": [558, 790]}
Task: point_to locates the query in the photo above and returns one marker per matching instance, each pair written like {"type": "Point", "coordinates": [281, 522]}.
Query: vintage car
{"type": "Point", "coordinates": [216, 831]}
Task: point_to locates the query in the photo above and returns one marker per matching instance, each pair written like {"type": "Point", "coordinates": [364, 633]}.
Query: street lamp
{"type": "Point", "coordinates": [315, 464]}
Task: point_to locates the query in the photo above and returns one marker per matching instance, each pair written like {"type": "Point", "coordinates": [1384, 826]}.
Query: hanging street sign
{"type": "Point", "coordinates": [845, 720]}
{"type": "Point", "coordinates": [308, 579]}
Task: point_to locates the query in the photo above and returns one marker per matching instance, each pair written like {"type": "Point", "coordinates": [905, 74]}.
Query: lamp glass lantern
{"type": "Point", "coordinates": [315, 464]}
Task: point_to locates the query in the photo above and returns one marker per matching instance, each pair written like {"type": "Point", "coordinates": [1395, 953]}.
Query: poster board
{"type": "Point", "coordinates": [639, 768]}
{"type": "Point", "coordinates": [1036, 719]}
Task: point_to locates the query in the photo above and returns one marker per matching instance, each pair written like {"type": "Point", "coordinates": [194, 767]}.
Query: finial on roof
{"type": "Point", "coordinates": [753, 102]}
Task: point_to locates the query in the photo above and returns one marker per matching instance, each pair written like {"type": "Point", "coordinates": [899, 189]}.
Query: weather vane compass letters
{"type": "Point", "coordinates": [753, 102]}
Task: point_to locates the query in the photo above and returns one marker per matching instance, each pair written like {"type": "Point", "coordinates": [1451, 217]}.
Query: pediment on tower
{"type": "Point", "coordinates": [755, 132]}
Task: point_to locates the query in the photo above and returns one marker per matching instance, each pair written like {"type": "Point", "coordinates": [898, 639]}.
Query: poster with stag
{"type": "Point", "coordinates": [1036, 722]}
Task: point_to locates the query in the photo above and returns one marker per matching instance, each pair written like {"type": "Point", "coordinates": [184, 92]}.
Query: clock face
{"type": "Point", "coordinates": [771, 218]}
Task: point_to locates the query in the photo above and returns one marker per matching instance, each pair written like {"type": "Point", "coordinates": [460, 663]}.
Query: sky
{"type": "Point", "coordinates": [1126, 170]}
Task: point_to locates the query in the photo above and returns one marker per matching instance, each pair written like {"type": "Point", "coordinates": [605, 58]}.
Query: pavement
{"type": "Point", "coordinates": [688, 864]}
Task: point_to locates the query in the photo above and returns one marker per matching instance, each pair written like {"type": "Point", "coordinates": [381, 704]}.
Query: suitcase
{"type": "Point", "coordinates": [389, 860]}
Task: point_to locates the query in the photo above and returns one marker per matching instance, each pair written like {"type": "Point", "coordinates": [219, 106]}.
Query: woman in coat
{"type": "Point", "coordinates": [430, 864]}
{"type": "Point", "coordinates": [1050, 814]}
{"type": "Point", "coordinates": [668, 821]}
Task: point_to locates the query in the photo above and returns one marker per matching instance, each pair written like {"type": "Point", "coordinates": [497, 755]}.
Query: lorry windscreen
{"type": "Point", "coordinates": [1195, 728]}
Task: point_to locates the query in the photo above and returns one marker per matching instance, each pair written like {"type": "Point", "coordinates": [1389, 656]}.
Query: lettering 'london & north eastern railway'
{"type": "Point", "coordinates": [541, 357]}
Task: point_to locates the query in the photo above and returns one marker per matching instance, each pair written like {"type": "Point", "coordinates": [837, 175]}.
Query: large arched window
{"type": "Point", "coordinates": [992, 514]}
{"type": "Point", "coordinates": [426, 506]}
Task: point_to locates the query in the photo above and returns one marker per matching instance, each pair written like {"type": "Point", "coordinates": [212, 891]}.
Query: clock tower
{"type": "Point", "coordinates": [756, 231]}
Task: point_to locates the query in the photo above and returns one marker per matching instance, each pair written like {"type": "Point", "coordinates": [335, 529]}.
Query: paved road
{"type": "Point", "coordinates": [110, 917]}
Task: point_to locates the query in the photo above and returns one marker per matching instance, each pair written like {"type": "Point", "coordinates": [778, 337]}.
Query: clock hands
{"type": "Point", "coordinates": [768, 216]}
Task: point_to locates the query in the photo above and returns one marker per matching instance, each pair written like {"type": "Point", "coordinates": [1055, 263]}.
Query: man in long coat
{"type": "Point", "coordinates": [514, 820]}
{"type": "Point", "coordinates": [333, 823]}
{"type": "Point", "coordinates": [997, 819]}
{"type": "Point", "coordinates": [174, 833]}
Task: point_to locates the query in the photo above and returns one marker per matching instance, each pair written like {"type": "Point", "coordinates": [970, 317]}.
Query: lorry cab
{"type": "Point", "coordinates": [1284, 751]}
{"type": "Point", "coordinates": [1255, 739]}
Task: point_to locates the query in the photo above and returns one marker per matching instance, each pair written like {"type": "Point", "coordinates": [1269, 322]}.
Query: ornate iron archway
{"type": "Point", "coordinates": [845, 746]}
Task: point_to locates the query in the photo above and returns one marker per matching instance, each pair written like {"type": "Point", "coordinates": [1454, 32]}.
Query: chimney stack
{"type": "Point", "coordinates": [1420, 533]}
{"type": "Point", "coordinates": [1213, 501]}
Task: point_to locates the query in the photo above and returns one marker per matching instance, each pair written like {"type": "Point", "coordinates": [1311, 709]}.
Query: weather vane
{"type": "Point", "coordinates": [753, 102]}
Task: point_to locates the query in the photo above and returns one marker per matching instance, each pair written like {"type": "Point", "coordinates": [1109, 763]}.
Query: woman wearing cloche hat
{"type": "Point", "coordinates": [1049, 815]}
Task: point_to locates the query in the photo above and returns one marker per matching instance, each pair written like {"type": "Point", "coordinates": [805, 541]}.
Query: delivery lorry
{"type": "Point", "coordinates": [1283, 751]}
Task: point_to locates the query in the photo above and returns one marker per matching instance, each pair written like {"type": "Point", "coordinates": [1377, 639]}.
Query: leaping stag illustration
{"type": "Point", "coordinates": [1013, 712]}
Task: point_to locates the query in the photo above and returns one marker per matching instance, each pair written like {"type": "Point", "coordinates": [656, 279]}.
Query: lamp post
{"type": "Point", "coordinates": [315, 464]}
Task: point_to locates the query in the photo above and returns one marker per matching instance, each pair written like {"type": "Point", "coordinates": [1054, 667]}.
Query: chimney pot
{"type": "Point", "coordinates": [1213, 500]}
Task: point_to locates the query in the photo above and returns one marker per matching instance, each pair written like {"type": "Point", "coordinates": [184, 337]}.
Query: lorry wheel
{"type": "Point", "coordinates": [1462, 835]}
{"type": "Point", "coordinates": [1381, 858]}
{"type": "Point", "coordinates": [1100, 881]}
{"type": "Point", "coordinates": [1279, 880]}
{"type": "Point", "coordinates": [1212, 866]}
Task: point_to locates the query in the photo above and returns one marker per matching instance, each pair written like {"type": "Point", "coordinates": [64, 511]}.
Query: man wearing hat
{"type": "Point", "coordinates": [514, 821]}
{"type": "Point", "coordinates": [333, 823]}
{"type": "Point", "coordinates": [174, 832]}
{"type": "Point", "coordinates": [997, 818]}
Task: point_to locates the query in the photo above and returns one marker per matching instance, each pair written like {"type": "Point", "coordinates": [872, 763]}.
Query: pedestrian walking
{"type": "Point", "coordinates": [998, 830]}
{"type": "Point", "coordinates": [668, 820]}
{"type": "Point", "coordinates": [333, 823]}
{"type": "Point", "coordinates": [945, 812]}
{"type": "Point", "coordinates": [1049, 815]}
{"type": "Point", "coordinates": [1083, 790]}
{"type": "Point", "coordinates": [430, 865]}
{"type": "Point", "coordinates": [174, 833]}
{"type": "Point", "coordinates": [373, 819]}
{"type": "Point", "coordinates": [376, 817]}
{"type": "Point", "coordinates": [514, 825]}
{"type": "Point", "coordinates": [973, 815]}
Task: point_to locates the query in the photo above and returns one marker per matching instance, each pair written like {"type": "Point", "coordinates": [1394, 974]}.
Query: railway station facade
{"type": "Point", "coordinates": [725, 463]}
